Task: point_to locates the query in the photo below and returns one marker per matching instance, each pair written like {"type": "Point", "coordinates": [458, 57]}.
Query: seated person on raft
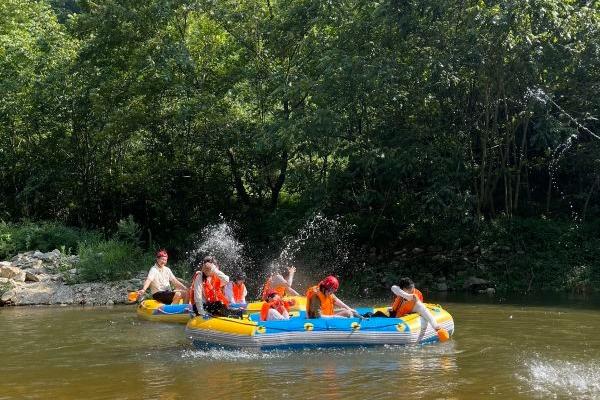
{"type": "Point", "coordinates": [206, 291]}
{"type": "Point", "coordinates": [275, 308]}
{"type": "Point", "coordinates": [409, 300]}
{"type": "Point", "coordinates": [320, 300]}
{"type": "Point", "coordinates": [159, 281]}
{"type": "Point", "coordinates": [235, 290]}
{"type": "Point", "coordinates": [280, 284]}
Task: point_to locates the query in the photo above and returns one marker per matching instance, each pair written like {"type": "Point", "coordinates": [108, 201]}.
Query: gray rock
{"type": "Point", "coordinates": [39, 255]}
{"type": "Point", "coordinates": [10, 272]}
{"type": "Point", "coordinates": [39, 293]}
{"type": "Point", "coordinates": [441, 287]}
{"type": "Point", "coordinates": [29, 277]}
{"type": "Point", "coordinates": [4, 281]}
{"type": "Point", "coordinates": [136, 282]}
{"type": "Point", "coordinates": [474, 281]}
{"type": "Point", "coordinates": [110, 303]}
{"type": "Point", "coordinates": [417, 250]}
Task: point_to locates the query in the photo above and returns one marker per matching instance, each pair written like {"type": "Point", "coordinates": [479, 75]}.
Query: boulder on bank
{"type": "Point", "coordinates": [36, 278]}
{"type": "Point", "coordinates": [7, 270]}
{"type": "Point", "coordinates": [478, 285]}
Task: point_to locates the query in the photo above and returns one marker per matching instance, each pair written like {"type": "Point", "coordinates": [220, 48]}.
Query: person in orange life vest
{"type": "Point", "coordinates": [235, 290]}
{"type": "Point", "coordinates": [320, 300]}
{"type": "Point", "coordinates": [281, 285]}
{"type": "Point", "coordinates": [159, 281]}
{"type": "Point", "coordinates": [408, 300]}
{"type": "Point", "coordinates": [206, 290]}
{"type": "Point", "coordinates": [274, 308]}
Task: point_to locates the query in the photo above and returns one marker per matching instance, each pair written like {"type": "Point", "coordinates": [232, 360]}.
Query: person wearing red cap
{"type": "Point", "coordinates": [320, 300]}
{"type": "Point", "coordinates": [159, 281]}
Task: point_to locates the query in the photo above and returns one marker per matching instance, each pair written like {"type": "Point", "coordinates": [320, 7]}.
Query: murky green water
{"type": "Point", "coordinates": [499, 351]}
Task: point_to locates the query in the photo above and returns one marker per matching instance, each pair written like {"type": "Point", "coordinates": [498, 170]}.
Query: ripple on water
{"type": "Point", "coordinates": [553, 378]}
{"type": "Point", "coordinates": [229, 355]}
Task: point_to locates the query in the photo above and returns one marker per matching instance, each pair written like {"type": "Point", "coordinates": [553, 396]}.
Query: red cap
{"type": "Point", "coordinates": [330, 283]}
{"type": "Point", "coordinates": [162, 253]}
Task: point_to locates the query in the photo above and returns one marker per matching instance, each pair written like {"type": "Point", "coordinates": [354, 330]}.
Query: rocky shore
{"type": "Point", "coordinates": [36, 278]}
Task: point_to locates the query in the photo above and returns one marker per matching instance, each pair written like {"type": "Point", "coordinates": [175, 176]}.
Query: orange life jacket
{"type": "Point", "coordinates": [326, 301]}
{"type": "Point", "coordinates": [278, 305]}
{"type": "Point", "coordinates": [401, 306]}
{"type": "Point", "coordinates": [238, 292]}
{"type": "Point", "coordinates": [267, 288]}
{"type": "Point", "coordinates": [211, 289]}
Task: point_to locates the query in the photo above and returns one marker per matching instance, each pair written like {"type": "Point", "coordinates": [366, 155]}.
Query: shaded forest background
{"type": "Point", "coordinates": [458, 137]}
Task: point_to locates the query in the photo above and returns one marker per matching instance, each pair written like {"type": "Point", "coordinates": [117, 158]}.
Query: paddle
{"type": "Point", "coordinates": [132, 297]}
{"type": "Point", "coordinates": [443, 334]}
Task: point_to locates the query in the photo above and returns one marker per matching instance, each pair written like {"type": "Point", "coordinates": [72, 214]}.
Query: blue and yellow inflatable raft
{"type": "Point", "coordinates": [153, 310]}
{"type": "Point", "coordinates": [300, 332]}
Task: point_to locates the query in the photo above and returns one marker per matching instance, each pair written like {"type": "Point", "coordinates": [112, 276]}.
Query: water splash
{"type": "Point", "coordinates": [559, 379]}
{"type": "Point", "coordinates": [321, 245]}
{"type": "Point", "coordinates": [219, 240]}
{"type": "Point", "coordinates": [559, 151]}
{"type": "Point", "coordinates": [544, 98]}
{"type": "Point", "coordinates": [229, 355]}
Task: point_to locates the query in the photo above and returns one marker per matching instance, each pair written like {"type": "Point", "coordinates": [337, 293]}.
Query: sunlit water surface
{"type": "Point", "coordinates": [499, 351]}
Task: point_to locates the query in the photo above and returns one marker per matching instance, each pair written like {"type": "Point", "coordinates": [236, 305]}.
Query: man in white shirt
{"type": "Point", "coordinates": [159, 281]}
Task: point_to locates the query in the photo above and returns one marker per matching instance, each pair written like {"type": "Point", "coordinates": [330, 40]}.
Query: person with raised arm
{"type": "Point", "coordinates": [206, 290]}
{"type": "Point", "coordinates": [283, 286]}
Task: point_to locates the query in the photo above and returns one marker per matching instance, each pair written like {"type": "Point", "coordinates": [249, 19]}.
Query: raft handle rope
{"type": "Point", "coordinates": [296, 330]}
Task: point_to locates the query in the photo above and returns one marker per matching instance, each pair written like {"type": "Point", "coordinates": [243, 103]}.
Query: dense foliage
{"type": "Point", "coordinates": [419, 121]}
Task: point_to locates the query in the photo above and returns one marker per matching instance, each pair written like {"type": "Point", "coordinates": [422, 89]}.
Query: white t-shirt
{"type": "Point", "coordinates": [160, 278]}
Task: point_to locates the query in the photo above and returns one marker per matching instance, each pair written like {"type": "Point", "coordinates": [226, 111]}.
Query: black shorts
{"type": "Point", "coordinates": [165, 297]}
{"type": "Point", "coordinates": [218, 309]}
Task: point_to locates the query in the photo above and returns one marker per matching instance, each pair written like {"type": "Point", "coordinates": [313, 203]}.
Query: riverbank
{"type": "Point", "coordinates": [53, 278]}
{"type": "Point", "coordinates": [37, 278]}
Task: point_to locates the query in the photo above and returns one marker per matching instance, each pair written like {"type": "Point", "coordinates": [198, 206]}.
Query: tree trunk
{"type": "Point", "coordinates": [237, 179]}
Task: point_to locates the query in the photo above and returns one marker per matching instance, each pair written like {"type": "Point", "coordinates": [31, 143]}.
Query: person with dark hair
{"type": "Point", "coordinates": [408, 300]}
{"type": "Point", "coordinates": [235, 290]}
{"type": "Point", "coordinates": [321, 300]}
{"type": "Point", "coordinates": [206, 290]}
{"type": "Point", "coordinates": [275, 308]}
{"type": "Point", "coordinates": [159, 281]}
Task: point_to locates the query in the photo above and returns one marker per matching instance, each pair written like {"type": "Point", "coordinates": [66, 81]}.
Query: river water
{"type": "Point", "coordinates": [499, 350]}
